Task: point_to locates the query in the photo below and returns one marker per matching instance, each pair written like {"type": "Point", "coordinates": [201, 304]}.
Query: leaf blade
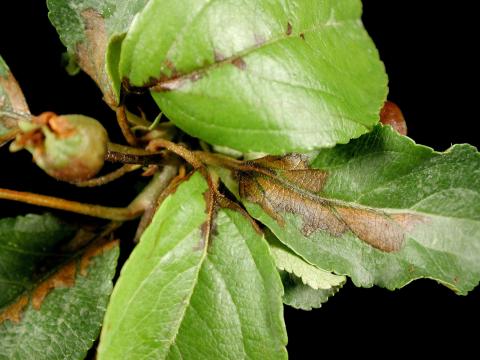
{"type": "Point", "coordinates": [237, 323]}
{"type": "Point", "coordinates": [303, 297]}
{"type": "Point", "coordinates": [205, 77]}
{"type": "Point", "coordinates": [21, 256]}
{"type": "Point", "coordinates": [382, 210]}
{"type": "Point", "coordinates": [211, 315]}
{"type": "Point", "coordinates": [11, 101]}
{"type": "Point", "coordinates": [68, 304]}
{"type": "Point", "coordinates": [156, 254]}
{"type": "Point", "coordinates": [91, 30]}
{"type": "Point", "coordinates": [310, 275]}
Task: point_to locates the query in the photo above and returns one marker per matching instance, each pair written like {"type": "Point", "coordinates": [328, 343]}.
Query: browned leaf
{"type": "Point", "coordinates": [64, 277]}
{"type": "Point", "coordinates": [287, 185]}
{"type": "Point", "coordinates": [91, 53]}
{"type": "Point", "coordinates": [93, 251]}
{"type": "Point", "coordinates": [13, 95]}
{"type": "Point", "coordinates": [14, 311]}
{"type": "Point", "coordinates": [12, 104]}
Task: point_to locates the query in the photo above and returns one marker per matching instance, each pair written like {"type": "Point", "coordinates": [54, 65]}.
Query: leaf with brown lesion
{"type": "Point", "coordinates": [12, 104]}
{"type": "Point", "coordinates": [91, 53]}
{"type": "Point", "coordinates": [93, 33]}
{"type": "Point", "coordinates": [380, 209]}
{"type": "Point", "coordinates": [14, 311]}
{"type": "Point", "coordinates": [40, 253]}
{"type": "Point", "coordinates": [287, 185]}
{"type": "Point", "coordinates": [63, 277]}
{"type": "Point", "coordinates": [67, 296]}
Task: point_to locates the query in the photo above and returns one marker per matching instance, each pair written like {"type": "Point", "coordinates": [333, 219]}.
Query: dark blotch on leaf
{"type": "Point", "coordinates": [239, 63]}
{"type": "Point", "coordinates": [287, 185]}
{"type": "Point", "coordinates": [289, 29]}
{"type": "Point", "coordinates": [65, 277]}
{"type": "Point", "coordinates": [169, 64]}
{"type": "Point", "coordinates": [14, 312]}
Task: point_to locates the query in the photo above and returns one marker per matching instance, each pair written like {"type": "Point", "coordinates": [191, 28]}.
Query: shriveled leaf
{"type": "Point", "coordinates": [12, 103]}
{"type": "Point", "coordinates": [308, 274]}
{"type": "Point", "coordinates": [258, 75]}
{"type": "Point", "coordinates": [381, 209]}
{"type": "Point", "coordinates": [192, 292]}
{"type": "Point", "coordinates": [303, 297]}
{"type": "Point", "coordinates": [92, 31]}
{"type": "Point", "coordinates": [58, 316]}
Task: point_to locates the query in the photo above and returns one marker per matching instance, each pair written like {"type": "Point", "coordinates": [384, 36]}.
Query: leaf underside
{"type": "Point", "coordinates": [306, 287]}
{"type": "Point", "coordinates": [92, 31]}
{"type": "Point", "coordinates": [191, 292]}
{"type": "Point", "coordinates": [258, 75]}
{"type": "Point", "coordinates": [303, 297]}
{"type": "Point", "coordinates": [308, 274]}
{"type": "Point", "coordinates": [57, 316]}
{"type": "Point", "coordinates": [11, 101]}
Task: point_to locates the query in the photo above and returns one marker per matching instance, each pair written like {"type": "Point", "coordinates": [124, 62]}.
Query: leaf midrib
{"type": "Point", "coordinates": [160, 85]}
{"type": "Point", "coordinates": [146, 279]}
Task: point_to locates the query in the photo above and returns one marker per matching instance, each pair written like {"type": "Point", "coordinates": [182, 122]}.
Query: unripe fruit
{"type": "Point", "coordinates": [392, 115]}
{"type": "Point", "coordinates": [67, 147]}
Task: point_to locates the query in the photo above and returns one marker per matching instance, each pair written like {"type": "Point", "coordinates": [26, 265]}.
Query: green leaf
{"type": "Point", "coordinates": [92, 31]}
{"type": "Point", "coordinates": [12, 103]}
{"type": "Point", "coordinates": [65, 307]}
{"type": "Point", "coordinates": [261, 75]}
{"type": "Point", "coordinates": [26, 244]}
{"type": "Point", "coordinates": [303, 297]}
{"type": "Point", "coordinates": [190, 292]}
{"type": "Point", "coordinates": [308, 274]}
{"type": "Point", "coordinates": [381, 209]}
{"type": "Point", "coordinates": [306, 287]}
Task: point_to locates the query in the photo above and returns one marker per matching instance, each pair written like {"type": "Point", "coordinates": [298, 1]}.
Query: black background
{"type": "Point", "coordinates": [427, 47]}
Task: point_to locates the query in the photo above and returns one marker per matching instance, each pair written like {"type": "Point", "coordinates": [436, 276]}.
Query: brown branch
{"type": "Point", "coordinates": [105, 179]}
{"type": "Point", "coordinates": [103, 212]}
{"type": "Point", "coordinates": [181, 151]}
{"type": "Point", "coordinates": [142, 202]}
{"type": "Point", "coordinates": [129, 155]}
{"type": "Point", "coordinates": [125, 126]}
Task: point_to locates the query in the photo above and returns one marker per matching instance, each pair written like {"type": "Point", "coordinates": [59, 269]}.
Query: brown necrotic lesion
{"type": "Point", "coordinates": [283, 185]}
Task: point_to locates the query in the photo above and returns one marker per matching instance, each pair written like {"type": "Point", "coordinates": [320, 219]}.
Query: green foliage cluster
{"type": "Point", "coordinates": [285, 186]}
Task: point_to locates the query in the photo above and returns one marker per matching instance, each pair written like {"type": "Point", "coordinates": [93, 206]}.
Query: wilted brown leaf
{"type": "Point", "coordinates": [12, 102]}
{"type": "Point", "coordinates": [91, 53]}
